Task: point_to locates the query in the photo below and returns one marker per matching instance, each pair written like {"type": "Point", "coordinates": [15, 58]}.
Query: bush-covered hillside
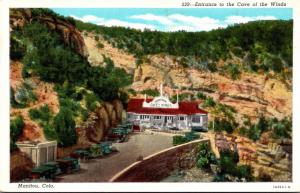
{"type": "Point", "coordinates": [79, 86]}
{"type": "Point", "coordinates": [263, 45]}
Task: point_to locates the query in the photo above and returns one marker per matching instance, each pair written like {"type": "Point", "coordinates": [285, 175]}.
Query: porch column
{"type": "Point", "coordinates": [38, 156]}
{"type": "Point", "coordinates": [201, 120]}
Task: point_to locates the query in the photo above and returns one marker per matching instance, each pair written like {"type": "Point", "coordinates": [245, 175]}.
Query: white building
{"type": "Point", "coordinates": [39, 152]}
{"type": "Point", "coordinates": [161, 113]}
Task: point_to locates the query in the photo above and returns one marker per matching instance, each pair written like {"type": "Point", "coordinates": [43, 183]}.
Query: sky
{"type": "Point", "coordinates": [174, 19]}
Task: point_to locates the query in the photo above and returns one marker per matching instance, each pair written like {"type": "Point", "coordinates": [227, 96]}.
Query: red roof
{"type": "Point", "coordinates": [186, 108]}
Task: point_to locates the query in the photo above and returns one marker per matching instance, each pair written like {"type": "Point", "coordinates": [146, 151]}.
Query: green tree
{"type": "Point", "coordinates": [151, 92]}
{"type": "Point", "coordinates": [91, 101]}
{"type": "Point", "coordinates": [64, 125]}
{"type": "Point", "coordinates": [17, 49]}
{"type": "Point", "coordinates": [244, 171]}
{"type": "Point", "coordinates": [201, 95]}
{"type": "Point", "coordinates": [262, 123]}
{"type": "Point", "coordinates": [209, 102]}
{"type": "Point", "coordinates": [227, 164]}
{"type": "Point", "coordinates": [203, 163]}
{"type": "Point", "coordinates": [100, 45]}
{"type": "Point", "coordinates": [254, 133]}
{"type": "Point", "coordinates": [13, 101]}
{"type": "Point", "coordinates": [234, 71]}
{"type": "Point", "coordinates": [16, 129]}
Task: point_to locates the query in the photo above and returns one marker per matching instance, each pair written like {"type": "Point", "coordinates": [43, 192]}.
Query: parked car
{"type": "Point", "coordinates": [174, 128]}
{"type": "Point", "coordinates": [81, 154]}
{"type": "Point", "coordinates": [69, 164]}
{"type": "Point", "coordinates": [199, 129]}
{"type": "Point", "coordinates": [54, 165]}
{"type": "Point", "coordinates": [44, 171]}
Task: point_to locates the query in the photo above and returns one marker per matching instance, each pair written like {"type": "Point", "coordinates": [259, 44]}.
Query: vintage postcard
{"type": "Point", "coordinates": [182, 96]}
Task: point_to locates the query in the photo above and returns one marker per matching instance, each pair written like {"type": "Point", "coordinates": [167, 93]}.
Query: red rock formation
{"type": "Point", "coordinates": [20, 166]}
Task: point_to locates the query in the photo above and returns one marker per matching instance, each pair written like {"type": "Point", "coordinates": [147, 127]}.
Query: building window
{"type": "Point", "coordinates": [156, 117]}
{"type": "Point", "coordinates": [144, 116]}
{"type": "Point", "coordinates": [181, 118]}
{"type": "Point", "coordinates": [196, 119]}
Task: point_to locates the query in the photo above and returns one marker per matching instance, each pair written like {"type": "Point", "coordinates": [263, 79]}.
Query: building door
{"type": "Point", "coordinates": [51, 153]}
{"type": "Point", "coordinates": [43, 155]}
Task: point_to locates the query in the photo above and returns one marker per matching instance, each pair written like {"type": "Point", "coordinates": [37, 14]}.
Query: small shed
{"type": "Point", "coordinates": [39, 152]}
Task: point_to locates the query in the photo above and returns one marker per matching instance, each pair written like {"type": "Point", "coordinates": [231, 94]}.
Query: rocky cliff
{"type": "Point", "coordinates": [71, 36]}
{"type": "Point", "coordinates": [251, 95]}
{"type": "Point", "coordinates": [270, 159]}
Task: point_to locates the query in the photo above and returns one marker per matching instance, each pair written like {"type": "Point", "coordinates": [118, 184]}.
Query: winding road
{"type": "Point", "coordinates": [102, 169]}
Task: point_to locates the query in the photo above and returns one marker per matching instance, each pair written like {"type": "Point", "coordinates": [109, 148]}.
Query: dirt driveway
{"type": "Point", "coordinates": [101, 170]}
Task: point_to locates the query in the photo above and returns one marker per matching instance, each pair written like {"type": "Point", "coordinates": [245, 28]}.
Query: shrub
{"type": "Point", "coordinates": [243, 131]}
{"type": "Point", "coordinates": [131, 91]}
{"type": "Point", "coordinates": [91, 101]}
{"type": "Point", "coordinates": [49, 131]}
{"type": "Point", "coordinates": [211, 125]}
{"type": "Point", "coordinates": [281, 129]}
{"type": "Point", "coordinates": [262, 123]}
{"type": "Point", "coordinates": [254, 133]}
{"type": "Point", "coordinates": [203, 163]}
{"type": "Point", "coordinates": [216, 125]}
{"type": "Point", "coordinates": [17, 49]}
{"type": "Point", "coordinates": [13, 101]}
{"type": "Point", "coordinates": [246, 121]}
{"type": "Point", "coordinates": [276, 64]}
{"type": "Point", "coordinates": [123, 96]}
{"type": "Point", "coordinates": [223, 125]}
{"type": "Point", "coordinates": [237, 51]}
{"type": "Point", "coordinates": [234, 71]}
{"type": "Point", "coordinates": [44, 117]}
{"type": "Point", "coordinates": [178, 139]}
{"type": "Point", "coordinates": [151, 92]}
{"type": "Point", "coordinates": [220, 178]}
{"type": "Point", "coordinates": [227, 164]}
{"type": "Point", "coordinates": [201, 95]}
{"type": "Point", "coordinates": [190, 136]}
{"type": "Point", "coordinates": [100, 45]}
{"type": "Point", "coordinates": [206, 156]}
{"type": "Point", "coordinates": [209, 102]}
{"type": "Point", "coordinates": [24, 95]}
{"type": "Point", "coordinates": [84, 114]}
{"type": "Point", "coordinates": [244, 171]}
{"type": "Point", "coordinates": [64, 125]}
{"type": "Point", "coordinates": [16, 129]}
{"type": "Point", "coordinates": [70, 104]}
{"type": "Point", "coordinates": [181, 97]}
{"type": "Point", "coordinates": [184, 62]}
{"type": "Point", "coordinates": [235, 156]}
{"type": "Point", "coordinates": [264, 177]}
{"type": "Point", "coordinates": [212, 67]}
{"type": "Point", "coordinates": [43, 113]}
{"type": "Point", "coordinates": [228, 126]}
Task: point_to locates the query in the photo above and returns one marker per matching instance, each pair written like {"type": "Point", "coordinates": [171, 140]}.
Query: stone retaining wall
{"type": "Point", "coordinates": [159, 165]}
